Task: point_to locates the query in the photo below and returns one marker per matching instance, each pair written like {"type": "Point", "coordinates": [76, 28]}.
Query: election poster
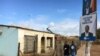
{"type": "Point", "coordinates": [88, 27]}
{"type": "Point", "coordinates": [88, 21]}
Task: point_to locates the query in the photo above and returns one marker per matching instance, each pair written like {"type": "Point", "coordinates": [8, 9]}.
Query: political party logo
{"type": "Point", "coordinates": [88, 27]}
{"type": "Point", "coordinates": [89, 6]}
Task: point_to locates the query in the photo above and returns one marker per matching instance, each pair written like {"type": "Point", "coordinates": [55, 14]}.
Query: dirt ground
{"type": "Point", "coordinates": [95, 50]}
{"type": "Point", "coordinates": [80, 52]}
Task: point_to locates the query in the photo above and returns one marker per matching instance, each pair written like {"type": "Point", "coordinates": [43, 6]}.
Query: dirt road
{"type": "Point", "coordinates": [95, 50]}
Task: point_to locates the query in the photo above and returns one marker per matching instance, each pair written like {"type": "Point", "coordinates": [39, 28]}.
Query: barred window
{"type": "Point", "coordinates": [29, 44]}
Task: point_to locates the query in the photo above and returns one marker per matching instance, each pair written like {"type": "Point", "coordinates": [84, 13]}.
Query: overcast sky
{"type": "Point", "coordinates": [61, 15]}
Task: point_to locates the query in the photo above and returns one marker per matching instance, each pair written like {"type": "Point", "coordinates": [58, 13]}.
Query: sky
{"type": "Point", "coordinates": [61, 16]}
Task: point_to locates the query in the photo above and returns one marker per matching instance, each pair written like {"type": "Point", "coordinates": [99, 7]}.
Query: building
{"type": "Point", "coordinates": [16, 40]}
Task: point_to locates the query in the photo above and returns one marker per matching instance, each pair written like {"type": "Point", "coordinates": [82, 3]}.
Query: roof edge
{"type": "Point", "coordinates": [20, 27]}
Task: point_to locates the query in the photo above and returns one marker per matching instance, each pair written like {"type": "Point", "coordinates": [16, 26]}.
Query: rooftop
{"type": "Point", "coordinates": [20, 27]}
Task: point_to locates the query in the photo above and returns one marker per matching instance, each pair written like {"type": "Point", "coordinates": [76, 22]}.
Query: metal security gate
{"type": "Point", "coordinates": [30, 45]}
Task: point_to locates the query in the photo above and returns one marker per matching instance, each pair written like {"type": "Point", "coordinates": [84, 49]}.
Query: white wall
{"type": "Point", "coordinates": [8, 41]}
{"type": "Point", "coordinates": [22, 32]}
{"type": "Point", "coordinates": [11, 36]}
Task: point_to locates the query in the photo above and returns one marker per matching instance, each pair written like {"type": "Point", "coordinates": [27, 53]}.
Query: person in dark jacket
{"type": "Point", "coordinates": [66, 49]}
{"type": "Point", "coordinates": [73, 49]}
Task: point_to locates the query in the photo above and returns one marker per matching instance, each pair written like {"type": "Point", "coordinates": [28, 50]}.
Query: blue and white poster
{"type": "Point", "coordinates": [88, 27]}
{"type": "Point", "coordinates": [88, 21]}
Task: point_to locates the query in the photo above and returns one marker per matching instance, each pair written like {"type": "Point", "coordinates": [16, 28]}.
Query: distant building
{"type": "Point", "coordinates": [30, 41]}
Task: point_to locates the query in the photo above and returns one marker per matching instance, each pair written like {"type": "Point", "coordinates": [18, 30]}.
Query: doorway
{"type": "Point", "coordinates": [43, 45]}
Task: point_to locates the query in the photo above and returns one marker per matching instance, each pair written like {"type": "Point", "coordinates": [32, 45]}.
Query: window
{"type": "Point", "coordinates": [29, 44]}
{"type": "Point", "coordinates": [49, 42]}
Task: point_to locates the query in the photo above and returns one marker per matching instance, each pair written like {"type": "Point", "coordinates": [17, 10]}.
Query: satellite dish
{"type": "Point", "coordinates": [50, 25]}
{"type": "Point", "coordinates": [49, 30]}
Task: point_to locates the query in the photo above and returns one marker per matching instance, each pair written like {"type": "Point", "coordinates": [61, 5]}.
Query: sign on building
{"type": "Point", "coordinates": [88, 21]}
